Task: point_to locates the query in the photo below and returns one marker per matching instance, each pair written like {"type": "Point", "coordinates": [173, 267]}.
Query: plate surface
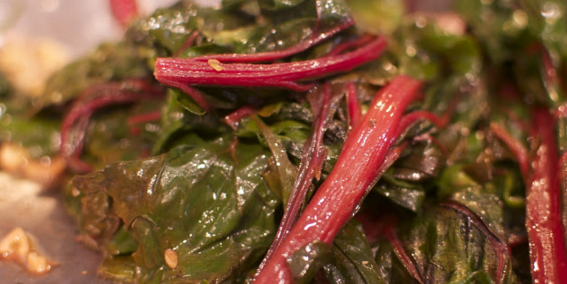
{"type": "Point", "coordinates": [25, 204]}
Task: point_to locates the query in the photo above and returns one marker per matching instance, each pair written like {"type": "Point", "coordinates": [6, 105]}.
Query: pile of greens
{"type": "Point", "coordinates": [187, 182]}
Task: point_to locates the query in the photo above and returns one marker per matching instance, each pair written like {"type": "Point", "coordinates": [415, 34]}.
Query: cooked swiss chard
{"type": "Point", "coordinates": [308, 141]}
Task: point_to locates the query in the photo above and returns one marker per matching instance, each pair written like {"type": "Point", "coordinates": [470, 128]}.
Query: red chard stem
{"type": "Point", "coordinates": [124, 11]}
{"type": "Point", "coordinates": [354, 112]}
{"type": "Point", "coordinates": [184, 72]}
{"type": "Point", "coordinates": [233, 119]}
{"type": "Point", "coordinates": [74, 124]}
{"type": "Point", "coordinates": [514, 145]}
{"type": "Point", "coordinates": [143, 118]}
{"type": "Point", "coordinates": [357, 169]}
{"type": "Point", "coordinates": [543, 206]}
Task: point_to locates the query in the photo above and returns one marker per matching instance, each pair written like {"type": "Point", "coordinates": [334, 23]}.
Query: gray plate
{"type": "Point", "coordinates": [41, 213]}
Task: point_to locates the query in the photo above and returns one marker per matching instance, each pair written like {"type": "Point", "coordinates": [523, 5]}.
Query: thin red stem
{"type": "Point", "coordinates": [310, 167]}
{"type": "Point", "coordinates": [435, 141]}
{"type": "Point", "coordinates": [73, 159]}
{"type": "Point", "coordinates": [350, 45]}
{"type": "Point", "coordinates": [233, 119]}
{"type": "Point", "coordinates": [357, 169]}
{"type": "Point", "coordinates": [402, 254]}
{"type": "Point", "coordinates": [133, 85]}
{"type": "Point", "coordinates": [499, 245]}
{"type": "Point", "coordinates": [353, 106]}
{"type": "Point", "coordinates": [549, 71]}
{"type": "Point", "coordinates": [124, 11]}
{"type": "Point", "coordinates": [562, 176]}
{"type": "Point", "coordinates": [425, 115]}
{"type": "Point", "coordinates": [74, 124]}
{"type": "Point", "coordinates": [439, 121]}
{"type": "Point", "coordinates": [143, 118]}
{"type": "Point", "coordinates": [187, 44]}
{"type": "Point", "coordinates": [275, 55]}
{"type": "Point", "coordinates": [383, 226]}
{"type": "Point", "coordinates": [514, 145]}
{"type": "Point", "coordinates": [194, 93]}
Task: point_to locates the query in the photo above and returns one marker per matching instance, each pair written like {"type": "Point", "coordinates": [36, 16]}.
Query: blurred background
{"type": "Point", "coordinates": [80, 25]}
{"type": "Point", "coordinates": [76, 25]}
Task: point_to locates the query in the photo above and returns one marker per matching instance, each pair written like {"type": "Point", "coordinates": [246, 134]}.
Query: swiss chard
{"type": "Point", "coordinates": [455, 173]}
{"type": "Point", "coordinates": [227, 207]}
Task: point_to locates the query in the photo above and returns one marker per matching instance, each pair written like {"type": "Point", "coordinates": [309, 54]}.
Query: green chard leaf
{"type": "Point", "coordinates": [352, 258]}
{"type": "Point", "coordinates": [284, 24]}
{"type": "Point", "coordinates": [426, 50]}
{"type": "Point", "coordinates": [122, 134]}
{"type": "Point", "coordinates": [214, 211]}
{"type": "Point", "coordinates": [39, 134]}
{"type": "Point", "coordinates": [377, 17]}
{"type": "Point", "coordinates": [167, 30]}
{"type": "Point", "coordinates": [109, 62]}
{"type": "Point", "coordinates": [501, 29]}
{"type": "Point", "coordinates": [548, 21]}
{"type": "Point", "coordinates": [305, 263]}
{"type": "Point", "coordinates": [445, 246]}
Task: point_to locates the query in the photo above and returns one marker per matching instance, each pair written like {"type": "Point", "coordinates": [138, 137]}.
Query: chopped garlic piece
{"type": "Point", "coordinates": [20, 247]}
{"type": "Point", "coordinates": [170, 258]}
{"type": "Point", "coordinates": [215, 64]}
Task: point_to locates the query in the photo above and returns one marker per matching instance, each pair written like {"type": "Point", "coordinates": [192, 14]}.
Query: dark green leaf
{"type": "Point", "coordinates": [226, 210]}
{"type": "Point", "coordinates": [178, 126]}
{"type": "Point", "coordinates": [447, 247]}
{"type": "Point", "coordinates": [377, 17]}
{"type": "Point", "coordinates": [109, 62]}
{"type": "Point", "coordinates": [39, 134]}
{"type": "Point", "coordinates": [167, 30]}
{"type": "Point", "coordinates": [390, 268]}
{"type": "Point", "coordinates": [407, 195]}
{"type": "Point", "coordinates": [112, 137]}
{"type": "Point", "coordinates": [352, 258]}
{"type": "Point", "coordinates": [279, 4]}
{"type": "Point", "coordinates": [120, 269]}
{"type": "Point", "coordinates": [186, 102]}
{"type": "Point", "coordinates": [549, 22]}
{"type": "Point", "coordinates": [305, 263]}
